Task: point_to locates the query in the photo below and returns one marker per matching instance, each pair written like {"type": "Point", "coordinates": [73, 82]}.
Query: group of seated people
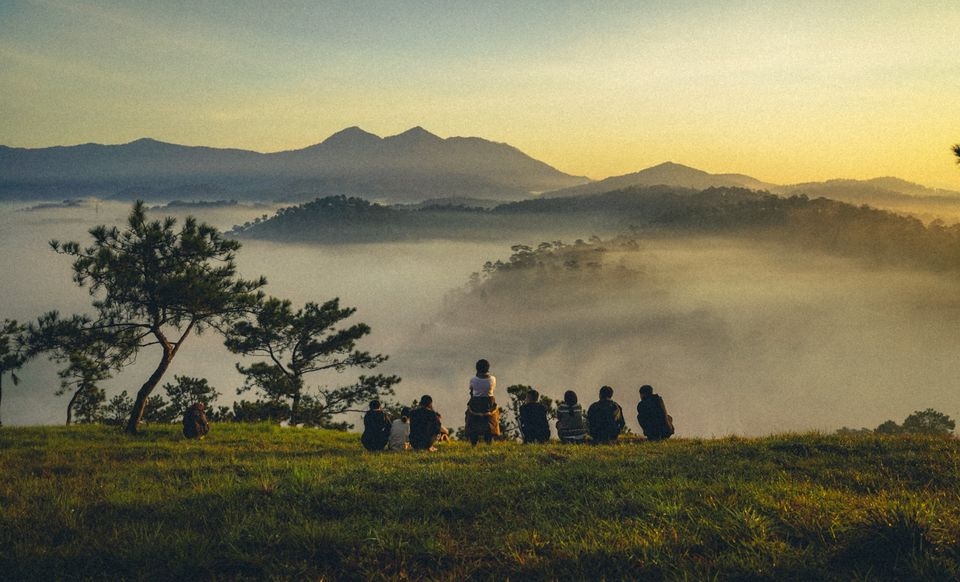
{"type": "Point", "coordinates": [421, 428]}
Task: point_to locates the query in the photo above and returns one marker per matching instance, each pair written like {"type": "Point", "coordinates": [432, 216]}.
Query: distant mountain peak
{"type": "Point", "coordinates": [351, 135]}
{"type": "Point", "coordinates": [145, 141]}
{"type": "Point", "coordinates": [666, 174]}
{"type": "Point", "coordinates": [416, 134]}
{"type": "Point", "coordinates": [674, 167]}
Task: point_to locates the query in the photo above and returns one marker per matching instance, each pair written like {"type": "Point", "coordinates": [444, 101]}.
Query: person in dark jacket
{"type": "Point", "coordinates": [652, 415]}
{"type": "Point", "coordinates": [425, 426]}
{"type": "Point", "coordinates": [605, 418]}
{"type": "Point", "coordinates": [533, 419]}
{"type": "Point", "coordinates": [195, 424]}
{"type": "Point", "coordinates": [376, 428]}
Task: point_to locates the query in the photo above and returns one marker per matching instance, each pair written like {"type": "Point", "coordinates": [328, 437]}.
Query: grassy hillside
{"type": "Point", "coordinates": [257, 501]}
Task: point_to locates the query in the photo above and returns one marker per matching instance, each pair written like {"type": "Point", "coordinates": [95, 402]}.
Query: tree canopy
{"type": "Point", "coordinates": [12, 351]}
{"type": "Point", "coordinates": [296, 343]}
{"type": "Point", "coordinates": [157, 284]}
{"type": "Point", "coordinates": [929, 421]}
{"type": "Point", "coordinates": [89, 353]}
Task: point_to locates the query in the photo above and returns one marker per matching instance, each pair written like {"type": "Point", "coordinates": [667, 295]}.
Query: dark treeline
{"type": "Point", "coordinates": [879, 236]}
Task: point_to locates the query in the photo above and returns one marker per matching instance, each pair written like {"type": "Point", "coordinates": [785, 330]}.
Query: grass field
{"type": "Point", "coordinates": [261, 502]}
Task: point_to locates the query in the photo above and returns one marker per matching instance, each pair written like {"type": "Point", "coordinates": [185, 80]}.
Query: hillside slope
{"type": "Point", "coordinates": [260, 502]}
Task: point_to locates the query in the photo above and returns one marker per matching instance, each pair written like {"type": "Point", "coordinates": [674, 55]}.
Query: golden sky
{"type": "Point", "coordinates": [784, 92]}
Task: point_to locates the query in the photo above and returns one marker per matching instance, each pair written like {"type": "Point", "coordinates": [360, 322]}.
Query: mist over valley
{"type": "Point", "coordinates": [740, 331]}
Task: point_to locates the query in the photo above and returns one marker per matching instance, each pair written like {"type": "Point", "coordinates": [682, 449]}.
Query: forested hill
{"type": "Point", "coordinates": [822, 224]}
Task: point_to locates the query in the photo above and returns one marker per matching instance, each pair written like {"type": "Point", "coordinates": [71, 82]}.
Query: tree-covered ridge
{"type": "Point", "coordinates": [879, 236]}
{"type": "Point", "coordinates": [545, 280]}
{"type": "Point", "coordinates": [559, 256]}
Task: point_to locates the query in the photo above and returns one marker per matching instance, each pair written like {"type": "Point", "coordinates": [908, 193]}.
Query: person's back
{"type": "Point", "coordinates": [533, 419]}
{"type": "Point", "coordinates": [376, 428]}
{"type": "Point", "coordinates": [195, 424]}
{"type": "Point", "coordinates": [425, 425]}
{"type": "Point", "coordinates": [652, 415]}
{"type": "Point", "coordinates": [484, 383]}
{"type": "Point", "coordinates": [399, 432]}
{"type": "Point", "coordinates": [571, 427]}
{"type": "Point", "coordinates": [605, 418]}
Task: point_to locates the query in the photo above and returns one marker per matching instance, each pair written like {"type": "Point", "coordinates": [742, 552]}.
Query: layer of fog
{"type": "Point", "coordinates": [738, 339]}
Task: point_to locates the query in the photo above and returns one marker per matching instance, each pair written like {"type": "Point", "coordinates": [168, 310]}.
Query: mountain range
{"type": "Point", "coordinates": [881, 192]}
{"type": "Point", "coordinates": [411, 167]}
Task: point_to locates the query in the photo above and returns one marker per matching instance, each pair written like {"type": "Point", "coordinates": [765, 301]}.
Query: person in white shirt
{"type": "Point", "coordinates": [484, 383]}
{"type": "Point", "coordinates": [400, 432]}
{"type": "Point", "coordinates": [483, 415]}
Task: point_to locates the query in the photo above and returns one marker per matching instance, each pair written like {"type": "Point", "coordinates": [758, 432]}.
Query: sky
{"type": "Point", "coordinates": [785, 92]}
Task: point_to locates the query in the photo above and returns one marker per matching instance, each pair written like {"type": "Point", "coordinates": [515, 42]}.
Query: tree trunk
{"type": "Point", "coordinates": [133, 425]}
{"type": "Point", "coordinates": [70, 404]}
{"type": "Point", "coordinates": [169, 351]}
{"type": "Point", "coordinates": [1, 396]}
{"type": "Point", "coordinates": [295, 409]}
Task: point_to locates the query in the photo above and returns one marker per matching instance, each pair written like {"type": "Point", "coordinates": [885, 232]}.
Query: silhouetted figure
{"type": "Point", "coordinates": [400, 432]}
{"type": "Point", "coordinates": [482, 419]}
{"type": "Point", "coordinates": [652, 415]}
{"type": "Point", "coordinates": [195, 424]}
{"type": "Point", "coordinates": [482, 386]}
{"type": "Point", "coordinates": [571, 427]}
{"type": "Point", "coordinates": [425, 425]}
{"type": "Point", "coordinates": [605, 418]}
{"type": "Point", "coordinates": [376, 428]}
{"type": "Point", "coordinates": [533, 419]}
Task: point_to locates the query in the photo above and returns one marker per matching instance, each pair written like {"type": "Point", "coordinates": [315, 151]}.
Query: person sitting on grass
{"type": "Point", "coordinates": [425, 426]}
{"type": "Point", "coordinates": [195, 424]}
{"type": "Point", "coordinates": [400, 432]}
{"type": "Point", "coordinates": [605, 418]}
{"type": "Point", "coordinates": [652, 415]}
{"type": "Point", "coordinates": [533, 419]}
{"type": "Point", "coordinates": [571, 427]}
{"type": "Point", "coordinates": [376, 427]}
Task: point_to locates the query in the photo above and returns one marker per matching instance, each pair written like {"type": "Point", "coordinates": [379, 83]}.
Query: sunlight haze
{"type": "Point", "coordinates": [785, 93]}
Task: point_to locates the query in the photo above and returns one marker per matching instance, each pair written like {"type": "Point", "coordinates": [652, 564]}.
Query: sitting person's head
{"type": "Point", "coordinates": [374, 405]}
{"type": "Point", "coordinates": [483, 367]}
{"type": "Point", "coordinates": [646, 390]}
{"type": "Point", "coordinates": [606, 393]}
{"type": "Point", "coordinates": [405, 413]}
{"type": "Point", "coordinates": [425, 401]}
{"type": "Point", "coordinates": [533, 395]}
{"type": "Point", "coordinates": [570, 397]}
